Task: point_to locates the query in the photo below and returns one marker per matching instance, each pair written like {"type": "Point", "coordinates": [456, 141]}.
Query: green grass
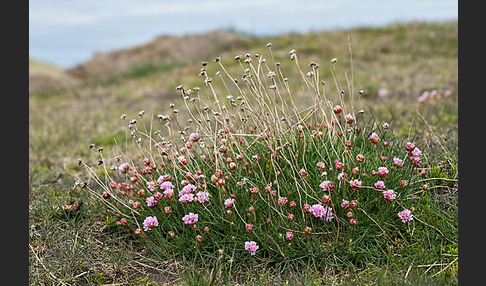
{"type": "Point", "coordinates": [83, 248]}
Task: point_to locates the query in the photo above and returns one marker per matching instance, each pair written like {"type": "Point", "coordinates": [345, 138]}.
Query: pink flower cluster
{"type": "Point", "coordinates": [150, 222]}
{"type": "Point", "coordinates": [414, 154]}
{"type": "Point", "coordinates": [190, 218]}
{"type": "Point", "coordinates": [389, 195]}
{"type": "Point", "coordinates": [405, 215]}
{"type": "Point", "coordinates": [321, 211]}
{"type": "Point", "coordinates": [151, 202]}
{"type": "Point", "coordinates": [251, 246]}
{"type": "Point", "coordinates": [355, 184]}
{"type": "Point", "coordinates": [327, 186]}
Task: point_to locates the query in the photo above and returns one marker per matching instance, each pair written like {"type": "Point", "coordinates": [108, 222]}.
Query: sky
{"type": "Point", "coordinates": [66, 33]}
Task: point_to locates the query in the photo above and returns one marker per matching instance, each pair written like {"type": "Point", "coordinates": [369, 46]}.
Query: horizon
{"type": "Point", "coordinates": [65, 34]}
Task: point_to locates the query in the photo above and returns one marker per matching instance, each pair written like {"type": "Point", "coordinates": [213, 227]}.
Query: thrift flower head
{"type": "Point", "coordinates": [152, 185]}
{"type": "Point", "coordinates": [228, 203]}
{"type": "Point", "coordinates": [355, 184]}
{"type": "Point", "coordinates": [397, 162]}
{"type": "Point", "coordinates": [382, 93]}
{"type": "Point", "coordinates": [194, 136]}
{"type": "Point", "coordinates": [188, 189]}
{"type": "Point", "coordinates": [186, 198]}
{"type": "Point", "coordinates": [123, 168]}
{"type": "Point", "coordinates": [405, 215]}
{"type": "Point", "coordinates": [345, 204]}
{"type": "Point", "coordinates": [190, 218]}
{"type": "Point", "coordinates": [382, 171]}
{"type": "Point", "coordinates": [151, 202]}
{"type": "Point", "coordinates": [251, 246]}
{"type": "Point", "coordinates": [289, 235]}
{"type": "Point", "coordinates": [169, 193]}
{"type": "Point", "coordinates": [164, 178]}
{"type": "Point", "coordinates": [389, 195]}
{"type": "Point", "coordinates": [182, 160]}
{"type": "Point", "coordinates": [149, 223]}
{"type": "Point", "coordinates": [320, 211]}
{"type": "Point", "coordinates": [416, 152]}
{"type": "Point", "coordinates": [327, 186]}
{"type": "Point", "coordinates": [165, 185]}
{"type": "Point", "coordinates": [380, 185]}
{"type": "Point", "coordinates": [282, 201]}
{"type": "Point", "coordinates": [374, 138]}
{"type": "Point", "coordinates": [202, 197]}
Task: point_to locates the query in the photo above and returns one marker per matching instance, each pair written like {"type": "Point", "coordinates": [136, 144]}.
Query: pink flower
{"type": "Point", "coordinates": [152, 185]}
{"type": "Point", "coordinates": [289, 235]}
{"type": "Point", "coordinates": [382, 172]}
{"type": "Point", "coordinates": [374, 138]}
{"type": "Point", "coordinates": [380, 185]}
{"type": "Point", "coordinates": [202, 197]}
{"type": "Point", "coordinates": [165, 185]}
{"type": "Point", "coordinates": [169, 193]}
{"type": "Point", "coordinates": [190, 218]}
{"type": "Point", "coordinates": [349, 118]}
{"type": "Point", "coordinates": [326, 198]}
{"type": "Point", "coordinates": [410, 146]}
{"type": "Point", "coordinates": [337, 109]}
{"type": "Point", "coordinates": [320, 211]}
{"type": "Point", "coordinates": [382, 93]}
{"type": "Point", "coordinates": [345, 204]}
{"type": "Point", "coordinates": [149, 223]}
{"type": "Point", "coordinates": [158, 195]}
{"type": "Point", "coordinates": [151, 202]}
{"type": "Point", "coordinates": [123, 168]}
{"type": "Point", "coordinates": [339, 165]}
{"type": "Point", "coordinates": [416, 152]}
{"type": "Point", "coordinates": [182, 160]}
{"type": "Point", "coordinates": [327, 186]}
{"type": "Point", "coordinates": [194, 136]}
{"type": "Point", "coordinates": [164, 178]}
{"type": "Point", "coordinates": [228, 203]}
{"type": "Point", "coordinates": [389, 195]}
{"type": "Point", "coordinates": [249, 227]}
{"type": "Point", "coordinates": [405, 215]}
{"type": "Point", "coordinates": [282, 201]}
{"type": "Point", "coordinates": [397, 162]}
{"type": "Point", "coordinates": [251, 246]}
{"type": "Point", "coordinates": [306, 207]}
{"type": "Point", "coordinates": [188, 189]}
{"type": "Point", "coordinates": [360, 158]}
{"type": "Point", "coordinates": [186, 198]}
{"type": "Point", "coordinates": [415, 161]}
{"type": "Point", "coordinates": [355, 184]}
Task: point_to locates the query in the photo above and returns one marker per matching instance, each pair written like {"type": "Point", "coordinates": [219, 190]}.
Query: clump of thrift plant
{"type": "Point", "coordinates": [249, 173]}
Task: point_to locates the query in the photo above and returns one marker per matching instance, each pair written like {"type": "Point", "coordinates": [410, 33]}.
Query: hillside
{"type": "Point", "coordinates": [44, 77]}
{"type": "Point", "coordinates": [162, 50]}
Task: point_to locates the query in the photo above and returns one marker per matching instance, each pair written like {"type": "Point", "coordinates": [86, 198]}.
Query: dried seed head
{"type": "Point", "coordinates": [333, 60]}
{"type": "Point", "coordinates": [123, 116]}
{"type": "Point", "coordinates": [141, 113]}
{"type": "Point", "coordinates": [204, 64]}
{"type": "Point", "coordinates": [237, 57]}
{"type": "Point", "coordinates": [171, 105]}
{"type": "Point", "coordinates": [269, 45]}
{"type": "Point", "coordinates": [179, 87]}
{"type": "Point", "coordinates": [217, 59]}
{"type": "Point", "coordinates": [133, 121]}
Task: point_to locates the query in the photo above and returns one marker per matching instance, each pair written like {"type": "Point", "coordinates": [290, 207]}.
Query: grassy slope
{"type": "Point", "coordinates": [405, 59]}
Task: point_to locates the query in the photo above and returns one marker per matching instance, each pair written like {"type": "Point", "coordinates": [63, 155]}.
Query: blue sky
{"type": "Point", "coordinates": [65, 33]}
